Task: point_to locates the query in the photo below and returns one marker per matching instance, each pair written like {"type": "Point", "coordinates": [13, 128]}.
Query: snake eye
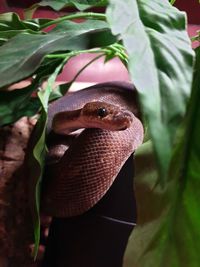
{"type": "Point", "coordinates": [102, 112]}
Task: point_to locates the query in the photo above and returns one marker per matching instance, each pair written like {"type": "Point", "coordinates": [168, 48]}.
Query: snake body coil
{"type": "Point", "coordinates": [81, 177]}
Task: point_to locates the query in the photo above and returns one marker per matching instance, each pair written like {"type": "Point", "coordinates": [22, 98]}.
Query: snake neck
{"type": "Point", "coordinates": [65, 123]}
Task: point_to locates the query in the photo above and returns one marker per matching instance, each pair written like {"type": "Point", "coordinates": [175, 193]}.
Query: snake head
{"type": "Point", "coordinates": [105, 116]}
{"type": "Point", "coordinates": [93, 115]}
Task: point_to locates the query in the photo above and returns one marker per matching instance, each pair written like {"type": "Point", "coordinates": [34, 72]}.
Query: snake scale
{"type": "Point", "coordinates": [109, 113]}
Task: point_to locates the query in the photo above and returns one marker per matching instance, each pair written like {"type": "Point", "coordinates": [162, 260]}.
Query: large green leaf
{"type": "Point", "coordinates": [22, 54]}
{"type": "Point", "coordinates": [160, 65]}
{"type": "Point", "coordinates": [18, 103]}
{"type": "Point", "coordinates": [168, 231]}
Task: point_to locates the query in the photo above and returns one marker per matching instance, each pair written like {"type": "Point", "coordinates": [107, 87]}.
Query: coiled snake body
{"type": "Point", "coordinates": [80, 178]}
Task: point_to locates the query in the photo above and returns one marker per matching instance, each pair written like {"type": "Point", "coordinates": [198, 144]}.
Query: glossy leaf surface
{"type": "Point", "coordinates": [21, 55]}
{"type": "Point", "coordinates": [169, 219]}
{"type": "Point", "coordinates": [79, 4]}
{"type": "Point", "coordinates": [11, 25]}
{"type": "Point", "coordinates": [160, 64]}
{"type": "Point", "coordinates": [19, 102]}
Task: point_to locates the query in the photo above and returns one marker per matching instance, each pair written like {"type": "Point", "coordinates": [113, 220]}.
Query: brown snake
{"type": "Point", "coordinates": [113, 130]}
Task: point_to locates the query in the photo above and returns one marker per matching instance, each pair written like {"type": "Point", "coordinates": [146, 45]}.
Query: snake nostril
{"type": "Point", "coordinates": [124, 116]}
{"type": "Point", "coordinates": [123, 119]}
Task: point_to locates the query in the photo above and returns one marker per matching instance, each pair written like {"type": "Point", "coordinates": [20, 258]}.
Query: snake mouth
{"type": "Point", "coordinates": [123, 120]}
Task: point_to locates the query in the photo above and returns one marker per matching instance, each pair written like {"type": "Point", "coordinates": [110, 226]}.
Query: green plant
{"type": "Point", "coordinates": [151, 40]}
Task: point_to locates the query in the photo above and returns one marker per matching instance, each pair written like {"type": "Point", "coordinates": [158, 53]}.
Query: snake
{"type": "Point", "coordinates": [108, 120]}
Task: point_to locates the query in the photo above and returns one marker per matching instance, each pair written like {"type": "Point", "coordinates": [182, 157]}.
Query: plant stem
{"type": "Point", "coordinates": [114, 50]}
{"type": "Point", "coordinates": [64, 90]}
{"type": "Point", "coordinates": [76, 53]}
{"type": "Point", "coordinates": [85, 66]}
{"type": "Point", "coordinates": [195, 38]}
{"type": "Point", "coordinates": [117, 48]}
{"type": "Point", "coordinates": [119, 51]}
{"type": "Point", "coordinates": [79, 15]}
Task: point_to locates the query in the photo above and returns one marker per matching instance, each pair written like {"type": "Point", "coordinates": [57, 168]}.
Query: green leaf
{"type": "Point", "coordinates": [168, 230]}
{"type": "Point", "coordinates": [11, 21]}
{"type": "Point", "coordinates": [40, 21]}
{"type": "Point", "coordinates": [82, 5]}
{"type": "Point", "coordinates": [3, 40]}
{"type": "Point", "coordinates": [79, 4]}
{"type": "Point", "coordinates": [18, 103]}
{"type": "Point", "coordinates": [22, 55]}
{"type": "Point", "coordinates": [37, 150]}
{"type": "Point", "coordinates": [160, 65]}
{"type": "Point", "coordinates": [101, 39]}
{"type": "Point", "coordinates": [172, 2]}
{"type": "Point", "coordinates": [11, 25]}
{"type": "Point", "coordinates": [11, 33]}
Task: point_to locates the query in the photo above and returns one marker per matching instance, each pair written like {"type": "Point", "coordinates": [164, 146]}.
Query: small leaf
{"type": "Point", "coordinates": [11, 25]}
{"type": "Point", "coordinates": [82, 5]}
{"type": "Point", "coordinates": [22, 55]}
{"type": "Point", "coordinates": [13, 22]}
{"type": "Point", "coordinates": [160, 65]}
{"type": "Point", "coordinates": [59, 4]}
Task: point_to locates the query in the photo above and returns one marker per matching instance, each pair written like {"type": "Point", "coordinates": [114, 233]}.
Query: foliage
{"type": "Point", "coordinates": [79, 4]}
{"type": "Point", "coordinates": [36, 160]}
{"type": "Point", "coordinates": [168, 231]}
{"type": "Point", "coordinates": [157, 47]}
{"type": "Point", "coordinates": [150, 39]}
